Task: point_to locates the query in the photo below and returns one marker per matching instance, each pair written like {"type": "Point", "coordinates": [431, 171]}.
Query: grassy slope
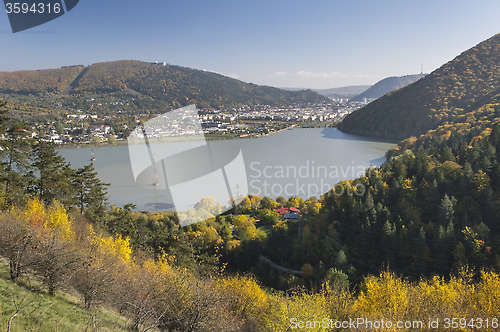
{"type": "Point", "coordinates": [62, 312]}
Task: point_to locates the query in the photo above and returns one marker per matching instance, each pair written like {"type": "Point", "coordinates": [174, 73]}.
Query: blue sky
{"type": "Point", "coordinates": [284, 43]}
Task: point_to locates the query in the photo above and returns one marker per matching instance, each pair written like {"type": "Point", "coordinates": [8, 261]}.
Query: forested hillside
{"type": "Point", "coordinates": [425, 212]}
{"type": "Point", "coordinates": [452, 93]}
{"type": "Point", "coordinates": [387, 85]}
{"type": "Point", "coordinates": [177, 85]}
{"type": "Point", "coordinates": [343, 92]}
{"type": "Point", "coordinates": [138, 86]}
{"type": "Point", "coordinates": [38, 82]}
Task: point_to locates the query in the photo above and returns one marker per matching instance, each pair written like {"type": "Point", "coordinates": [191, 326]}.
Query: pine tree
{"type": "Point", "coordinates": [16, 164]}
{"type": "Point", "coordinates": [446, 210]}
{"type": "Point", "coordinates": [54, 173]}
{"type": "Point", "coordinates": [90, 192]}
{"type": "Point", "coordinates": [3, 117]}
{"type": "Point", "coordinates": [3, 143]}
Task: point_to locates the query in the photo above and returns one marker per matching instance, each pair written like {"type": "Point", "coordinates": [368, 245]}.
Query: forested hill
{"type": "Point", "coordinates": [34, 82]}
{"type": "Point", "coordinates": [453, 93]}
{"type": "Point", "coordinates": [386, 85]}
{"type": "Point", "coordinates": [147, 86]}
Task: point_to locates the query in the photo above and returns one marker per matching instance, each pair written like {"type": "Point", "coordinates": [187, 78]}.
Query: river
{"type": "Point", "coordinates": [298, 162]}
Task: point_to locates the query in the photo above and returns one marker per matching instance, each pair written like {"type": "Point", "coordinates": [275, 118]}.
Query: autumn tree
{"type": "Point", "coordinates": [193, 304]}
{"type": "Point", "coordinates": [56, 257]}
{"type": "Point", "coordinates": [16, 242]}
{"type": "Point", "coordinates": [103, 262]}
{"type": "Point", "coordinates": [268, 203]}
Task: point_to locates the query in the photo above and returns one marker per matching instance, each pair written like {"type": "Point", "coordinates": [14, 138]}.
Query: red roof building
{"type": "Point", "coordinates": [282, 211]}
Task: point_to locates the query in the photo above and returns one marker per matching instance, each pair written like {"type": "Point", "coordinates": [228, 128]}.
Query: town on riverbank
{"type": "Point", "coordinates": [80, 128]}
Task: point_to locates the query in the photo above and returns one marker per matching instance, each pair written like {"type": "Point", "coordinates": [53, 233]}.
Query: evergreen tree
{"type": "Point", "coordinates": [54, 173]}
{"type": "Point", "coordinates": [90, 192]}
{"type": "Point", "coordinates": [446, 210]}
{"type": "Point", "coordinates": [3, 117]}
{"type": "Point", "coordinates": [3, 143]}
{"type": "Point", "coordinates": [16, 163]}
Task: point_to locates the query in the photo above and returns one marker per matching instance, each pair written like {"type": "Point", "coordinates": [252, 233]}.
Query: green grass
{"type": "Point", "coordinates": [44, 313]}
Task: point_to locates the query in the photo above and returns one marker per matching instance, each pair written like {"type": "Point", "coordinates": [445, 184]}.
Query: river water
{"type": "Point", "coordinates": [298, 162]}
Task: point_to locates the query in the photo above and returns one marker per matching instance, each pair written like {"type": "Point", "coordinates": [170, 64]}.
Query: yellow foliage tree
{"type": "Point", "coordinates": [115, 246]}
{"type": "Point", "coordinates": [437, 293]}
{"type": "Point", "coordinates": [248, 300]}
{"type": "Point", "coordinates": [34, 212]}
{"type": "Point", "coordinates": [57, 218]}
{"type": "Point", "coordinates": [384, 295]}
{"type": "Point", "coordinates": [118, 246]}
{"type": "Point", "coordinates": [488, 295]}
{"type": "Point", "coordinates": [286, 313]}
{"type": "Point", "coordinates": [247, 225]}
{"type": "Point", "coordinates": [54, 217]}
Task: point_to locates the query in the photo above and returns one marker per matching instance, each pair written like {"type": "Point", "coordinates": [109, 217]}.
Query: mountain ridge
{"type": "Point", "coordinates": [151, 86]}
{"type": "Point", "coordinates": [340, 92]}
{"type": "Point", "coordinates": [441, 97]}
{"type": "Point", "coordinates": [387, 85]}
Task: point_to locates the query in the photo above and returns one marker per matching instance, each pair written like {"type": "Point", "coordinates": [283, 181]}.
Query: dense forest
{"type": "Point", "coordinates": [452, 93]}
{"type": "Point", "coordinates": [177, 86]}
{"type": "Point", "coordinates": [425, 212]}
{"type": "Point", "coordinates": [38, 82]}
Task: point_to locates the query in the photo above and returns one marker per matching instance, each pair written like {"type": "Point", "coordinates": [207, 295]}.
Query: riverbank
{"type": "Point", "coordinates": [90, 145]}
{"type": "Point", "coordinates": [176, 140]}
{"type": "Point", "coordinates": [207, 137]}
